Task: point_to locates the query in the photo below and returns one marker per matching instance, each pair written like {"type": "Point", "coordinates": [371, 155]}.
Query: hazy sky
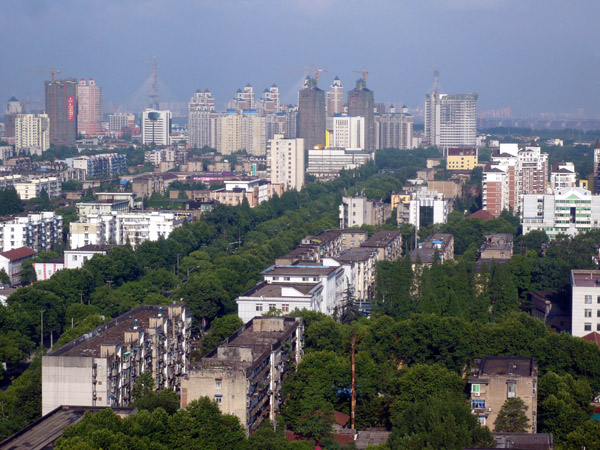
{"type": "Point", "coordinates": [532, 55]}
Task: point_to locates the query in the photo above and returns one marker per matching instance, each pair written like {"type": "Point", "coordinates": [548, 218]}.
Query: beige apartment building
{"type": "Point", "coordinates": [497, 378]}
{"type": "Point", "coordinates": [244, 374]}
{"type": "Point", "coordinates": [285, 162]}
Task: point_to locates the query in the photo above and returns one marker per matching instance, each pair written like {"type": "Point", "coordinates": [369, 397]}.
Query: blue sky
{"type": "Point", "coordinates": [532, 55]}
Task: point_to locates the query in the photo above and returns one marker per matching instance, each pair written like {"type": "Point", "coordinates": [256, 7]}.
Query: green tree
{"type": "Point", "coordinates": [220, 328]}
{"type": "Point", "coordinates": [143, 385]}
{"type": "Point", "coordinates": [511, 417]}
{"type": "Point", "coordinates": [10, 203]}
{"type": "Point", "coordinates": [4, 278]}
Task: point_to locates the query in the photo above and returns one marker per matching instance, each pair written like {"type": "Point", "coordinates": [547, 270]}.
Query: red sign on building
{"type": "Point", "coordinates": [70, 108]}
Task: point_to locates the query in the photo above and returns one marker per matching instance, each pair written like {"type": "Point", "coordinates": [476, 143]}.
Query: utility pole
{"type": "Point", "coordinates": [353, 404]}
{"type": "Point", "coordinates": [42, 328]}
{"type": "Point", "coordinates": [178, 255]}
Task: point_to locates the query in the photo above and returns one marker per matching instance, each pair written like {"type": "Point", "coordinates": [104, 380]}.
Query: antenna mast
{"type": "Point", "coordinates": [154, 103]}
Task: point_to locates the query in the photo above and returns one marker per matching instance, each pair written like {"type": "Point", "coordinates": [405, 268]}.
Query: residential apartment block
{"type": "Point", "coordinates": [109, 164]}
{"type": "Point", "coordinates": [512, 173]}
{"type": "Point", "coordinates": [76, 258]}
{"type": "Point", "coordinates": [100, 367]}
{"type": "Point", "coordinates": [285, 162]}
{"type": "Point", "coordinates": [348, 132]}
{"type": "Point", "coordinates": [421, 207]}
{"type": "Point", "coordinates": [89, 108]}
{"type": "Point", "coordinates": [394, 129]}
{"type": "Point", "coordinates": [31, 188]}
{"type": "Point", "coordinates": [32, 133]}
{"type": "Point", "coordinates": [450, 120]}
{"type": "Point", "coordinates": [122, 228]}
{"type": "Point", "coordinates": [244, 374]}
{"type": "Point", "coordinates": [11, 261]}
{"type": "Point", "coordinates": [38, 231]}
{"type": "Point", "coordinates": [255, 190]}
{"type": "Point", "coordinates": [311, 114]}
{"type": "Point", "coordinates": [495, 379]}
{"type": "Point", "coordinates": [358, 211]}
{"type": "Point", "coordinates": [563, 175]}
{"type": "Point", "coordinates": [290, 287]}
{"type": "Point", "coordinates": [585, 303]}
{"type": "Point", "coordinates": [388, 243]}
{"type": "Point", "coordinates": [461, 158]}
{"type": "Point", "coordinates": [442, 243]}
{"type": "Point", "coordinates": [327, 163]}
{"type": "Point", "coordinates": [359, 268]}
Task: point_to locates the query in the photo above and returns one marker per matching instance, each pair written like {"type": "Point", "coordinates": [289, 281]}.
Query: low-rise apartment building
{"type": "Point", "coordinates": [443, 243]}
{"type": "Point", "coordinates": [100, 367]}
{"type": "Point", "coordinates": [461, 158]}
{"type": "Point", "coordinates": [358, 211]}
{"type": "Point", "coordinates": [110, 164]}
{"type": "Point", "coordinates": [387, 242]}
{"type": "Point", "coordinates": [33, 187]}
{"type": "Point", "coordinates": [244, 374]}
{"type": "Point", "coordinates": [85, 209]}
{"type": "Point", "coordinates": [495, 379]}
{"type": "Point", "coordinates": [44, 270]}
{"type": "Point", "coordinates": [38, 231]}
{"type": "Point", "coordinates": [359, 269]}
{"type": "Point", "coordinates": [286, 288]}
{"type": "Point", "coordinates": [497, 246]}
{"type": "Point", "coordinates": [585, 306]}
{"type": "Point", "coordinates": [76, 258]}
{"type": "Point", "coordinates": [123, 228]}
{"type": "Point", "coordinates": [11, 262]}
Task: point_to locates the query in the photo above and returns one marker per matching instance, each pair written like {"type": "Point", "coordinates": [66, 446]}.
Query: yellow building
{"type": "Point", "coordinates": [461, 158]}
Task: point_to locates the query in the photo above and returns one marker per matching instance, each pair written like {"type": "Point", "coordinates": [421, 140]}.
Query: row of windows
{"type": "Point", "coordinates": [285, 307]}
{"type": "Point", "coordinates": [587, 326]}
{"type": "Point", "coordinates": [588, 300]}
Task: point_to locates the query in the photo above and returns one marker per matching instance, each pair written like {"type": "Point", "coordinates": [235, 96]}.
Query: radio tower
{"type": "Point", "coordinates": [154, 103]}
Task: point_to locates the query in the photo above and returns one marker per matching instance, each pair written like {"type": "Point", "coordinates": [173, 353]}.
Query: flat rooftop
{"type": "Point", "coordinates": [110, 333]}
{"type": "Point", "coordinates": [381, 239]}
{"type": "Point", "coordinates": [42, 434]}
{"type": "Point", "coordinates": [356, 254]}
{"type": "Point", "coordinates": [585, 278]}
{"type": "Point", "coordinates": [507, 365]}
{"type": "Point", "coordinates": [299, 270]}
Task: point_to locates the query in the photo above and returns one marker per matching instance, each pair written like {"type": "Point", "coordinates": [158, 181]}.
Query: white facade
{"type": "Point", "coordinates": [201, 123]}
{"type": "Point", "coordinates": [118, 121]}
{"type": "Point", "coordinates": [285, 288]}
{"type": "Point", "coordinates": [32, 188]}
{"type": "Point", "coordinates": [122, 228]}
{"type": "Point", "coordinates": [565, 211]}
{"type": "Point", "coordinates": [585, 310]}
{"type": "Point", "coordinates": [75, 259]}
{"type": "Point", "coordinates": [156, 127]}
{"type": "Point", "coordinates": [285, 162]}
{"type": "Point", "coordinates": [563, 175]}
{"type": "Point", "coordinates": [436, 206]}
{"type": "Point", "coordinates": [32, 133]}
{"type": "Point", "coordinates": [45, 270]}
{"type": "Point", "coordinates": [349, 132]}
{"type": "Point", "coordinates": [358, 211]}
{"type": "Point", "coordinates": [335, 98]}
{"type": "Point", "coordinates": [38, 231]}
{"type": "Point", "coordinates": [327, 163]}
{"type": "Point", "coordinates": [451, 120]}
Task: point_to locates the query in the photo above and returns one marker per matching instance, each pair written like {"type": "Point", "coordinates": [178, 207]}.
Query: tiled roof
{"type": "Point", "coordinates": [18, 253]}
{"type": "Point", "coordinates": [481, 214]}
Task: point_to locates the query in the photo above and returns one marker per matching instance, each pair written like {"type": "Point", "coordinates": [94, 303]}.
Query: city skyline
{"type": "Point", "coordinates": [517, 54]}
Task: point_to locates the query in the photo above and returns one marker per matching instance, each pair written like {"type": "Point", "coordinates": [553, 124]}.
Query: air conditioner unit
{"type": "Point", "coordinates": [476, 394]}
{"type": "Point", "coordinates": [489, 409]}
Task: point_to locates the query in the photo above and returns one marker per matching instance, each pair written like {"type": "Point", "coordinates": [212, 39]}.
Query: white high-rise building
{"type": "Point", "coordinates": [335, 98]}
{"type": "Point", "coordinates": [585, 306]}
{"type": "Point", "coordinates": [285, 162]}
{"type": "Point", "coordinates": [349, 132]}
{"type": "Point", "coordinates": [450, 119]}
{"type": "Point", "coordinates": [202, 120]}
{"type": "Point", "coordinates": [32, 133]}
{"type": "Point", "coordinates": [38, 231]}
{"type": "Point", "coordinates": [156, 127]}
{"type": "Point", "coordinates": [394, 129]}
{"type": "Point", "coordinates": [118, 121]}
{"type": "Point", "coordinates": [242, 131]}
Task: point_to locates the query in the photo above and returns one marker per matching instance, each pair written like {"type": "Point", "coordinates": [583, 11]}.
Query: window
{"type": "Point", "coordinates": [482, 420]}
{"type": "Point", "coordinates": [259, 307]}
{"type": "Point", "coordinates": [587, 326]}
{"type": "Point", "coordinates": [285, 308]}
{"type": "Point", "coordinates": [511, 389]}
{"type": "Point", "coordinates": [588, 313]}
{"type": "Point", "coordinates": [598, 313]}
{"type": "Point", "coordinates": [218, 383]}
{"type": "Point", "coordinates": [478, 404]}
{"type": "Point", "coordinates": [272, 306]}
{"type": "Point", "coordinates": [306, 279]}
{"type": "Point", "coordinates": [275, 278]}
{"type": "Point", "coordinates": [534, 387]}
{"type": "Point", "coordinates": [286, 278]}
{"type": "Point", "coordinates": [598, 299]}
{"type": "Point", "coordinates": [475, 389]}
{"type": "Point", "coordinates": [218, 399]}
{"type": "Point", "coordinates": [588, 299]}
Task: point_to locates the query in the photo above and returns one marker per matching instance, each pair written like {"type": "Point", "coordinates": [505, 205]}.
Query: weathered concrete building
{"type": "Point", "coordinates": [245, 372]}
{"type": "Point", "coordinates": [100, 367]}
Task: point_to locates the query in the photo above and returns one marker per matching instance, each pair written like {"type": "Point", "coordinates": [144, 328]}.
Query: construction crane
{"type": "Point", "coordinates": [364, 73]}
{"type": "Point", "coordinates": [308, 70]}
{"type": "Point", "coordinates": [52, 72]}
